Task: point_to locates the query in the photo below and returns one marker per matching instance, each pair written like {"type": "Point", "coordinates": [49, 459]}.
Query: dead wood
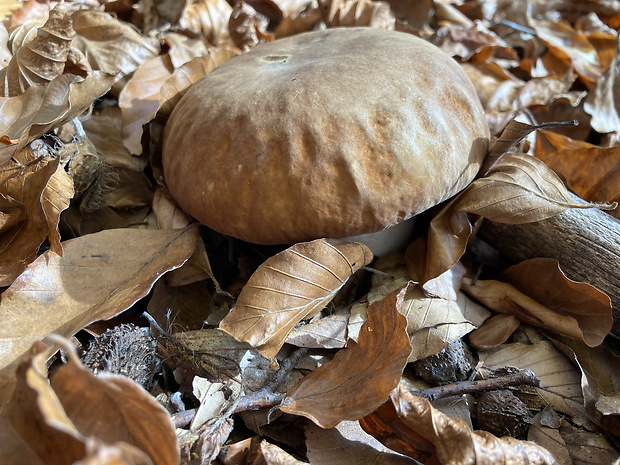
{"type": "Point", "coordinates": [586, 242]}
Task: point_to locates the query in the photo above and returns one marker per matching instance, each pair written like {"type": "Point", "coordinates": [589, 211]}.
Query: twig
{"type": "Point", "coordinates": [184, 418]}
{"type": "Point", "coordinates": [522, 378]}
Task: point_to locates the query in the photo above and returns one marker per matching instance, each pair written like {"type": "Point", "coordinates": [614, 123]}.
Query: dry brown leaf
{"type": "Point", "coordinates": [350, 13]}
{"type": "Point", "coordinates": [517, 189]}
{"type": "Point", "coordinates": [455, 443]}
{"type": "Point", "coordinates": [586, 447]}
{"type": "Point", "coordinates": [139, 99]}
{"type": "Point", "coordinates": [112, 408]}
{"type": "Point", "coordinates": [290, 286]}
{"type": "Point", "coordinates": [494, 332]}
{"type": "Point", "coordinates": [543, 280]}
{"type": "Point", "coordinates": [359, 378]}
{"type": "Point", "coordinates": [41, 191]}
{"type": "Point", "coordinates": [183, 77]}
{"type": "Point", "coordinates": [301, 19]}
{"type": "Point", "coordinates": [40, 109]}
{"type": "Point", "coordinates": [207, 17]}
{"type": "Point", "coordinates": [180, 307]}
{"type": "Point", "coordinates": [248, 28]}
{"type": "Point", "coordinates": [560, 379]}
{"type": "Point", "coordinates": [347, 443]}
{"type": "Point", "coordinates": [99, 276]}
{"type": "Point", "coordinates": [266, 453]}
{"type": "Point", "coordinates": [42, 59]}
{"type": "Point", "coordinates": [473, 43]}
{"type": "Point", "coordinates": [329, 332]}
{"type": "Point", "coordinates": [592, 172]}
{"type": "Point", "coordinates": [109, 44]}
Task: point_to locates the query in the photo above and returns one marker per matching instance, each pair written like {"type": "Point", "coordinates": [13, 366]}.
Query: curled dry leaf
{"type": "Point", "coordinates": [454, 442]}
{"type": "Point", "coordinates": [112, 408]}
{"type": "Point", "coordinates": [517, 189]}
{"type": "Point", "coordinates": [494, 331]}
{"type": "Point", "coordinates": [39, 191]}
{"type": "Point", "coordinates": [42, 59]}
{"type": "Point", "coordinates": [247, 27]}
{"type": "Point", "coordinates": [207, 17]}
{"type": "Point", "coordinates": [99, 276]}
{"type": "Point", "coordinates": [40, 109]}
{"type": "Point", "coordinates": [359, 378]}
{"type": "Point", "coordinates": [139, 99]}
{"type": "Point", "coordinates": [290, 286]}
{"type": "Point", "coordinates": [350, 13]}
{"type": "Point", "coordinates": [302, 19]}
{"type": "Point", "coordinates": [109, 44]}
{"type": "Point", "coordinates": [192, 71]}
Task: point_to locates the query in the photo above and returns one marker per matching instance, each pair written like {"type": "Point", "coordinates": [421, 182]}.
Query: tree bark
{"type": "Point", "coordinates": [586, 242]}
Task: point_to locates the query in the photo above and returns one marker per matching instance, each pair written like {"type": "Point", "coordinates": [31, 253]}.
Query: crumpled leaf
{"type": "Point", "coordinates": [139, 99]}
{"type": "Point", "coordinates": [36, 429]}
{"type": "Point", "coordinates": [109, 44]}
{"type": "Point", "coordinates": [42, 59]}
{"type": "Point", "coordinates": [99, 276]}
{"type": "Point", "coordinates": [39, 109]}
{"type": "Point", "coordinates": [39, 191]}
{"type": "Point", "coordinates": [494, 331]}
{"type": "Point", "coordinates": [591, 171]}
{"type": "Point", "coordinates": [454, 442]}
{"type": "Point", "coordinates": [248, 28]}
{"type": "Point", "coordinates": [518, 189]}
{"type": "Point", "coordinates": [290, 286]}
{"type": "Point", "coordinates": [298, 17]}
{"type": "Point", "coordinates": [207, 17]}
{"type": "Point", "coordinates": [112, 408]}
{"type": "Point", "coordinates": [182, 78]}
{"type": "Point", "coordinates": [350, 13]}
{"type": "Point", "coordinates": [359, 378]}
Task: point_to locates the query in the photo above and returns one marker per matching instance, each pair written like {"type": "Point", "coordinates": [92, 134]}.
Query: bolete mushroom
{"type": "Point", "coordinates": [334, 133]}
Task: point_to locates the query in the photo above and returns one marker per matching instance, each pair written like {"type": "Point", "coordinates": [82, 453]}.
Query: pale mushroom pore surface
{"type": "Point", "coordinates": [333, 133]}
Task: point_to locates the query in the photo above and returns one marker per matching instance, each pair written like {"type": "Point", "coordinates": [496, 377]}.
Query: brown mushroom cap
{"type": "Point", "coordinates": [324, 134]}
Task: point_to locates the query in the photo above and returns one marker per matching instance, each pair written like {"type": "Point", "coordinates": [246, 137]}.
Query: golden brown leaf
{"type": "Point", "coordinates": [359, 378]}
{"type": "Point", "coordinates": [303, 18]}
{"type": "Point", "coordinates": [592, 172]}
{"type": "Point", "coordinates": [42, 59]}
{"type": "Point", "coordinates": [350, 13]}
{"type": "Point", "coordinates": [112, 408]}
{"type": "Point", "coordinates": [192, 71]}
{"type": "Point", "coordinates": [248, 28]}
{"type": "Point", "coordinates": [494, 331]}
{"type": "Point", "coordinates": [139, 99]}
{"type": "Point", "coordinates": [109, 44]}
{"type": "Point", "coordinates": [40, 191]}
{"type": "Point", "coordinates": [99, 276]}
{"type": "Point", "coordinates": [289, 287]}
{"type": "Point", "coordinates": [39, 109]}
{"type": "Point", "coordinates": [207, 17]}
{"type": "Point", "coordinates": [518, 189]}
{"type": "Point", "coordinates": [455, 443]}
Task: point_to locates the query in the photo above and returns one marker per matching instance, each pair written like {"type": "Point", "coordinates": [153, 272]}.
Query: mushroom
{"type": "Point", "coordinates": [335, 133]}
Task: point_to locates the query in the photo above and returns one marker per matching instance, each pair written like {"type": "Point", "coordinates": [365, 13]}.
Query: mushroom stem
{"type": "Point", "coordinates": [389, 240]}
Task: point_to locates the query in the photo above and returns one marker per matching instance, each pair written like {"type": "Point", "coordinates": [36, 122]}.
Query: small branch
{"type": "Point", "coordinates": [522, 378]}
{"type": "Point", "coordinates": [184, 418]}
{"type": "Point", "coordinates": [258, 400]}
{"type": "Point", "coordinates": [285, 369]}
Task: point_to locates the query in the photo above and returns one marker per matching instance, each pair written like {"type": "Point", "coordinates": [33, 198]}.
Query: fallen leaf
{"type": "Point", "coordinates": [139, 99]}
{"type": "Point", "coordinates": [517, 189]}
{"type": "Point", "coordinates": [350, 13]}
{"type": "Point", "coordinates": [41, 190]}
{"type": "Point", "coordinates": [455, 443]}
{"type": "Point", "coordinates": [267, 453]}
{"type": "Point", "coordinates": [111, 45]}
{"type": "Point", "coordinates": [359, 378]}
{"type": "Point", "coordinates": [248, 28]}
{"type": "Point", "coordinates": [290, 286]}
{"type": "Point", "coordinates": [207, 17]}
{"type": "Point", "coordinates": [39, 109]}
{"type": "Point", "coordinates": [325, 333]}
{"type": "Point", "coordinates": [99, 276]}
{"type": "Point", "coordinates": [347, 443]}
{"type": "Point", "coordinates": [494, 331]}
{"type": "Point", "coordinates": [42, 59]}
{"type": "Point", "coordinates": [113, 408]}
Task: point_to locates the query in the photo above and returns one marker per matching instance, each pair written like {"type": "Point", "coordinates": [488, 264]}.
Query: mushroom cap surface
{"type": "Point", "coordinates": [332, 133]}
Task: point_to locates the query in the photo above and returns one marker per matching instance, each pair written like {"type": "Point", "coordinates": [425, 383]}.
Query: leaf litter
{"type": "Point", "coordinates": [87, 230]}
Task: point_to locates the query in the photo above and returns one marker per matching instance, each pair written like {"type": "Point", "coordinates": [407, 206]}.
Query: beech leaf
{"type": "Point", "coordinates": [290, 286]}
{"type": "Point", "coordinates": [518, 189]}
{"type": "Point", "coordinates": [359, 378]}
{"type": "Point", "coordinates": [99, 276]}
{"type": "Point", "coordinates": [455, 443]}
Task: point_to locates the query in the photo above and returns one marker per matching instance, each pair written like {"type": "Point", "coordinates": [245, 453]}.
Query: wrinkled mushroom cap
{"type": "Point", "coordinates": [325, 134]}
